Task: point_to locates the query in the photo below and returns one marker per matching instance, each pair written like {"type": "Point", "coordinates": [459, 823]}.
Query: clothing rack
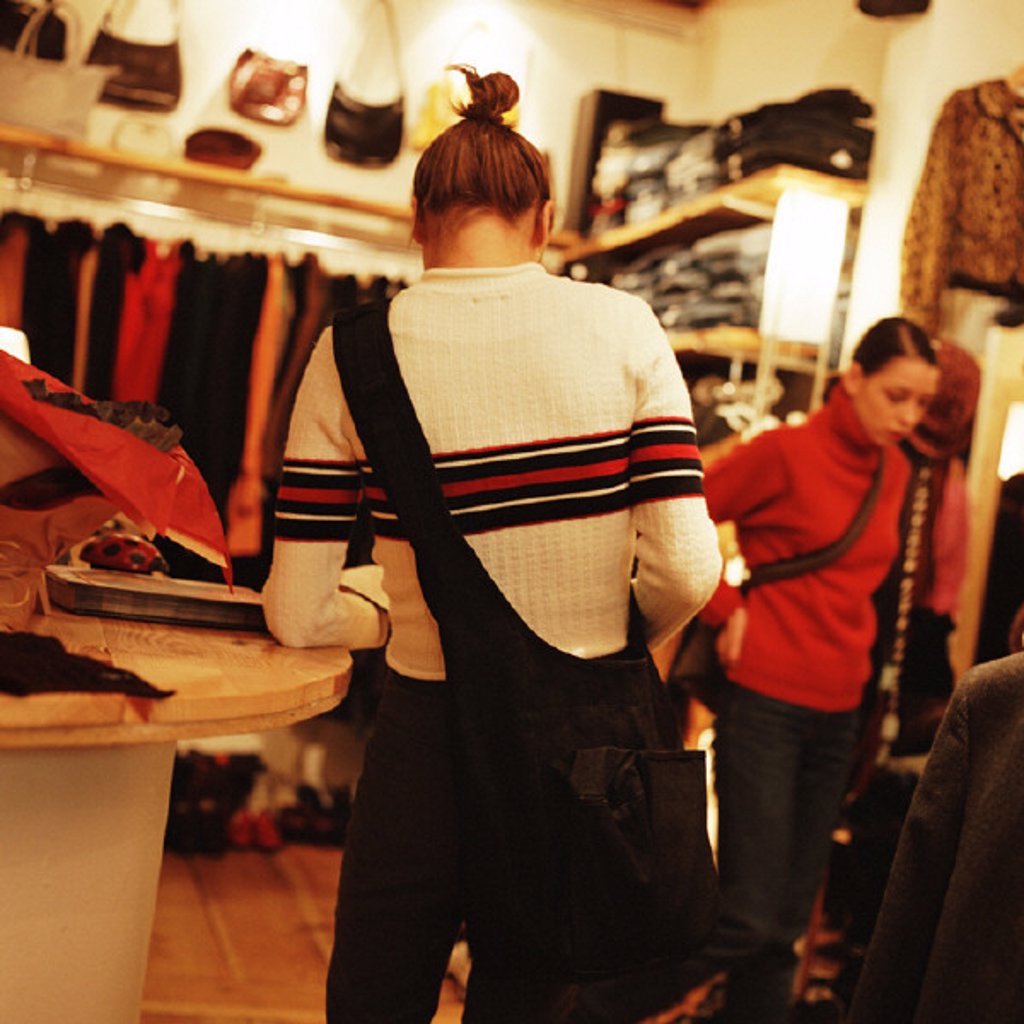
{"type": "Point", "coordinates": [222, 208]}
{"type": "Point", "coordinates": [209, 232]}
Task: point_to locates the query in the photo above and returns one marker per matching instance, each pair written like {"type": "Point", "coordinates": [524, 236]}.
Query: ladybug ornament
{"type": "Point", "coordinates": [124, 552]}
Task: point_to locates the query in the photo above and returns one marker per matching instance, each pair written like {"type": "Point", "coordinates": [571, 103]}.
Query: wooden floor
{"type": "Point", "coordinates": [244, 938]}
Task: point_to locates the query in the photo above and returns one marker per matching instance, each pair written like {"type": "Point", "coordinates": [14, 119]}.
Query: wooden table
{"type": "Point", "coordinates": [84, 788]}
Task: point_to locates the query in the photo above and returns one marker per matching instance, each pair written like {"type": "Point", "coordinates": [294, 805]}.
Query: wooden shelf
{"type": "Point", "coordinates": [735, 205]}
{"type": "Point", "coordinates": [30, 159]}
{"type": "Point", "coordinates": [193, 171]}
{"type": "Point", "coordinates": [744, 344]}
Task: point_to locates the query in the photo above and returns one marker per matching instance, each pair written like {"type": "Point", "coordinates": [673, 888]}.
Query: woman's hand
{"type": "Point", "coordinates": [729, 641]}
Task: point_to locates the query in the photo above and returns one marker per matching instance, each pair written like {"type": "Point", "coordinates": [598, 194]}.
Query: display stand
{"type": "Point", "coordinates": [1002, 386]}
{"type": "Point", "coordinates": [84, 788]}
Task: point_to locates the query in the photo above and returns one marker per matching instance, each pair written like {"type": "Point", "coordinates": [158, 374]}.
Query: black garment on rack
{"type": "Point", "coordinates": [121, 253]}
{"type": "Point", "coordinates": [226, 388]}
{"type": "Point", "coordinates": [50, 302]}
{"type": "Point", "coordinates": [198, 297]}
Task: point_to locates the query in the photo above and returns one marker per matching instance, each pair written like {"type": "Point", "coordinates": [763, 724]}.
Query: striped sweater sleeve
{"type": "Point", "coordinates": [678, 563]}
{"type": "Point", "coordinates": [308, 600]}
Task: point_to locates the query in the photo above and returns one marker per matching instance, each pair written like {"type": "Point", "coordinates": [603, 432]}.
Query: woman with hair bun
{"type": "Point", "coordinates": [563, 437]}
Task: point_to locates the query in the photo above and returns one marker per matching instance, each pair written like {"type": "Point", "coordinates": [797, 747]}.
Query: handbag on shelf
{"type": "Point", "coordinates": [358, 131]}
{"type": "Point", "coordinates": [49, 95]}
{"type": "Point", "coordinates": [148, 73]}
{"type": "Point", "coordinates": [695, 668]}
{"type": "Point", "coordinates": [892, 8]}
{"type": "Point", "coordinates": [50, 41]}
{"type": "Point", "coordinates": [267, 89]}
{"type": "Point", "coordinates": [589, 851]}
{"type": "Point", "coordinates": [222, 146]}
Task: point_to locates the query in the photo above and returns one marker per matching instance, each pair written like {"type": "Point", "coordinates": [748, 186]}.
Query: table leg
{"type": "Point", "coordinates": [81, 842]}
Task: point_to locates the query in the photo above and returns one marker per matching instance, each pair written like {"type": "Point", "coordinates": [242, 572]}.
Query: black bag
{"type": "Point", "coordinates": [52, 33]}
{"type": "Point", "coordinates": [366, 133]}
{"type": "Point", "coordinates": [362, 134]}
{"type": "Point", "coordinates": [695, 668]}
{"type": "Point", "coordinates": [149, 75]}
{"type": "Point", "coordinates": [585, 847]}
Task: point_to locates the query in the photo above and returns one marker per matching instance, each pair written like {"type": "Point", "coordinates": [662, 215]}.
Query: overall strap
{"type": "Point", "coordinates": [386, 421]}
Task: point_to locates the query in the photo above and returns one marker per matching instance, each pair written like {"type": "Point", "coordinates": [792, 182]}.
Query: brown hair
{"type": "Point", "coordinates": [481, 161]}
{"type": "Point", "coordinates": [890, 338]}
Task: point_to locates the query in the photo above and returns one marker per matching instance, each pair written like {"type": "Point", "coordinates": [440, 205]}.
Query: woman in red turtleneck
{"type": "Point", "coordinates": [797, 651]}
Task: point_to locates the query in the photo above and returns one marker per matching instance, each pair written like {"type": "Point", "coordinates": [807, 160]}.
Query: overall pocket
{"type": "Point", "coordinates": [632, 875]}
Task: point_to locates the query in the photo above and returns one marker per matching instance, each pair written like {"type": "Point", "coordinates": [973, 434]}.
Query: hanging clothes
{"type": "Point", "coordinates": [312, 299]}
{"type": "Point", "coordinates": [14, 239]}
{"type": "Point", "coordinates": [247, 495]}
{"type": "Point", "coordinates": [86, 283]}
{"type": "Point", "coordinates": [149, 298]}
{"type": "Point", "coordinates": [121, 253]}
{"type": "Point", "coordinates": [50, 301]}
{"type": "Point", "coordinates": [198, 297]}
{"type": "Point", "coordinates": [225, 390]}
{"type": "Point", "coordinates": [966, 222]}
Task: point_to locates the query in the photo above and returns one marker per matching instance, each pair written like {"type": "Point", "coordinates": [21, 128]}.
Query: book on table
{"type": "Point", "coordinates": [126, 595]}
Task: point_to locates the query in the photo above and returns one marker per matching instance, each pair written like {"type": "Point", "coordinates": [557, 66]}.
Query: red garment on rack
{"type": "Point", "coordinates": [145, 324]}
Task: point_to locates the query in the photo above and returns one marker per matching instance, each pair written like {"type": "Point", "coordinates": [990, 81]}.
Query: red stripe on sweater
{"type": "Point", "coordinates": [512, 480]}
{"type": "Point", "coordinates": [319, 495]}
{"type": "Point", "coordinates": [664, 451]}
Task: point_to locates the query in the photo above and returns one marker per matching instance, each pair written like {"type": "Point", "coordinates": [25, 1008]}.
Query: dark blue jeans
{"type": "Point", "coordinates": [780, 773]}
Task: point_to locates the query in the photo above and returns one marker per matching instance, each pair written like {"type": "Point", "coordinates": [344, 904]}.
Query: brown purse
{"type": "Point", "coordinates": [222, 146]}
{"type": "Point", "coordinates": [268, 89]}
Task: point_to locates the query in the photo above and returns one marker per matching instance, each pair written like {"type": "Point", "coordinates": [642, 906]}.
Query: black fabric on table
{"type": "Point", "coordinates": [41, 664]}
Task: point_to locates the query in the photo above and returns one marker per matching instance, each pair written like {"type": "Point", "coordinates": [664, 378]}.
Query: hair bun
{"type": "Point", "coordinates": [490, 97]}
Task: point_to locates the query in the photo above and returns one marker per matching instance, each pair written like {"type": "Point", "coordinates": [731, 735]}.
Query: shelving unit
{"type": "Point", "coordinates": [738, 204]}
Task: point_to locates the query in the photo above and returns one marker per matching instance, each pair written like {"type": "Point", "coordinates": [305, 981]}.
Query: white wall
{"type": "Point", "coordinates": [758, 51]}
{"type": "Point", "coordinates": [955, 44]}
{"type": "Point", "coordinates": [556, 50]}
{"type": "Point", "coordinates": [728, 57]}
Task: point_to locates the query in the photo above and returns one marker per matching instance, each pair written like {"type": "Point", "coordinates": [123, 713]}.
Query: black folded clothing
{"type": "Point", "coordinates": [40, 664]}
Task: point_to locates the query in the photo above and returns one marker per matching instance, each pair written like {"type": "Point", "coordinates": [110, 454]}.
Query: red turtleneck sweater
{"type": "Point", "coordinates": [790, 491]}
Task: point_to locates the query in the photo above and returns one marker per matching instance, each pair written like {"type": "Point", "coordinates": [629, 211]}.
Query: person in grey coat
{"type": "Point", "coordinates": [949, 943]}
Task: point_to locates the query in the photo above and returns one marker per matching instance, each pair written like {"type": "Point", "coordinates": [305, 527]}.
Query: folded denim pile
{"type": "Point", "coordinates": [631, 177]}
{"type": "Point", "coordinates": [717, 280]}
{"type": "Point", "coordinates": [649, 166]}
{"type": "Point", "coordinates": [826, 130]}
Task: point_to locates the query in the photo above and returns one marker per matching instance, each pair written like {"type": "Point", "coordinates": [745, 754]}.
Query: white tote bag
{"type": "Point", "coordinates": [49, 95]}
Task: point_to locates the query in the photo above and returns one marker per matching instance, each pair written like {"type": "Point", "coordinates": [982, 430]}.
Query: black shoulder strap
{"type": "Point", "coordinates": [786, 568]}
{"type": "Point", "coordinates": [385, 418]}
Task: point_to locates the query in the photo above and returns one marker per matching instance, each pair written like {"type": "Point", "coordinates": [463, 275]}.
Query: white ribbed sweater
{"type": "Point", "coordinates": [497, 359]}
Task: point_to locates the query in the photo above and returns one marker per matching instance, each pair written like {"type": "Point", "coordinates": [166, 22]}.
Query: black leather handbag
{"type": "Point", "coordinates": [585, 848]}
{"type": "Point", "coordinates": [50, 36]}
{"type": "Point", "coordinates": [149, 74]}
{"type": "Point", "coordinates": [892, 8]}
{"type": "Point", "coordinates": [360, 132]}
